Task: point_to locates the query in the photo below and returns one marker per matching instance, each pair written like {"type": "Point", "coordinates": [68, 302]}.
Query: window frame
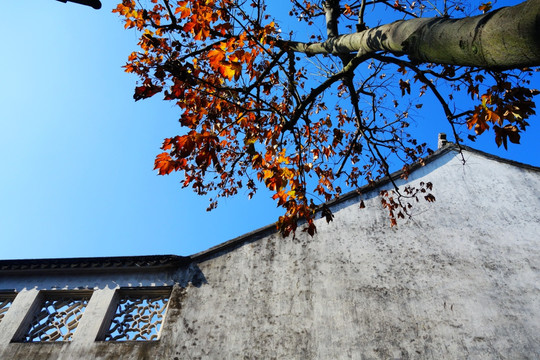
{"type": "Point", "coordinates": [45, 295]}
{"type": "Point", "coordinates": [5, 296]}
{"type": "Point", "coordinates": [133, 293]}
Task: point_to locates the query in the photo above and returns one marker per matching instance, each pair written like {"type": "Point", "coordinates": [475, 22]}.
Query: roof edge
{"type": "Point", "coordinates": [271, 228]}
{"type": "Point", "coordinates": [163, 262]}
{"type": "Point", "coordinates": [93, 264]}
{"type": "Point", "coordinates": [495, 157]}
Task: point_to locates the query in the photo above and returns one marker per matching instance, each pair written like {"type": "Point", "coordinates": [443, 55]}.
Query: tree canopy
{"type": "Point", "coordinates": [310, 118]}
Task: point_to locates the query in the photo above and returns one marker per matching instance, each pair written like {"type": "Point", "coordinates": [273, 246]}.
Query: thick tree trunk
{"type": "Point", "coordinates": [505, 38]}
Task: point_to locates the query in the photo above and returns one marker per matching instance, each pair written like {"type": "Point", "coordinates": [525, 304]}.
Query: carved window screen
{"type": "Point", "coordinates": [5, 303]}
{"type": "Point", "coordinates": [138, 315]}
{"type": "Point", "coordinates": [57, 317]}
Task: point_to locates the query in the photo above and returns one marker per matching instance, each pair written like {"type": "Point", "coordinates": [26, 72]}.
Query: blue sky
{"type": "Point", "coordinates": [76, 152]}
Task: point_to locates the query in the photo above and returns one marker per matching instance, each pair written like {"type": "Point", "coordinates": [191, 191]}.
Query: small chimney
{"type": "Point", "coordinates": [442, 140]}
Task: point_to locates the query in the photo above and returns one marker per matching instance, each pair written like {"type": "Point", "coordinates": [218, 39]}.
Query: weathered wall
{"type": "Point", "coordinates": [84, 345]}
{"type": "Point", "coordinates": [461, 279]}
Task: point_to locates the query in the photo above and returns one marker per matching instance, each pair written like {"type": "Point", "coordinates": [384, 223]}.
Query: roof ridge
{"type": "Point", "coordinates": [271, 228]}
{"type": "Point", "coordinates": [256, 234]}
{"type": "Point", "coordinates": [164, 261]}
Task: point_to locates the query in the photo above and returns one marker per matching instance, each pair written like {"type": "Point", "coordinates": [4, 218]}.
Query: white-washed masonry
{"type": "Point", "coordinates": [459, 279]}
{"type": "Point", "coordinates": [86, 300]}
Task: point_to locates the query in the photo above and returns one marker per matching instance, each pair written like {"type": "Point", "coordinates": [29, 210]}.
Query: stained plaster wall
{"type": "Point", "coordinates": [460, 279]}
{"type": "Point", "coordinates": [103, 284]}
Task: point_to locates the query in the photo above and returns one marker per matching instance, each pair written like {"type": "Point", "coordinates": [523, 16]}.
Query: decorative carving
{"type": "Point", "coordinates": [138, 317]}
{"type": "Point", "coordinates": [57, 319]}
{"type": "Point", "coordinates": [5, 303]}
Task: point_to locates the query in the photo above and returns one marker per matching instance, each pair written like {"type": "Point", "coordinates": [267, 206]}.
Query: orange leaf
{"type": "Point", "coordinates": [215, 57]}
{"type": "Point", "coordinates": [164, 164]}
{"type": "Point", "coordinates": [146, 91]}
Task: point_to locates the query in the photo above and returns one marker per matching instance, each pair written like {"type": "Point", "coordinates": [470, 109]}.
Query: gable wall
{"type": "Point", "coordinates": [460, 279]}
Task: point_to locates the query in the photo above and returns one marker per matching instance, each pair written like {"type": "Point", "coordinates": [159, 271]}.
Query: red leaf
{"type": "Point", "coordinates": [146, 91]}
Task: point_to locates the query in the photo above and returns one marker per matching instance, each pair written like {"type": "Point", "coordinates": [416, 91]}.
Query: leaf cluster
{"type": "Point", "coordinates": [257, 110]}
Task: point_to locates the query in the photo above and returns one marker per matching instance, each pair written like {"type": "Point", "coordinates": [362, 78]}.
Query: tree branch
{"type": "Point", "coordinates": [505, 38]}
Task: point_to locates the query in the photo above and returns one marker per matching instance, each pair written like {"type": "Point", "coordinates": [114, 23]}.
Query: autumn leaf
{"type": "Point", "coordinates": [215, 57]}
{"type": "Point", "coordinates": [164, 164]}
{"type": "Point", "coordinates": [405, 87]}
{"type": "Point", "coordinates": [327, 213]}
{"type": "Point", "coordinates": [146, 91]}
{"type": "Point", "coordinates": [227, 71]}
{"type": "Point", "coordinates": [183, 10]}
{"type": "Point", "coordinates": [508, 132]}
{"type": "Point", "coordinates": [485, 7]}
{"type": "Point", "coordinates": [258, 110]}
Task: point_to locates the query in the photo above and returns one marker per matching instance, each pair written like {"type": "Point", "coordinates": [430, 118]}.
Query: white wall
{"type": "Point", "coordinates": [460, 279]}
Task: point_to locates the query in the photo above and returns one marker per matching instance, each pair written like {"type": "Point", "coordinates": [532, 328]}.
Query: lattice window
{"type": "Point", "coordinates": [139, 315]}
{"type": "Point", "coordinates": [57, 317]}
{"type": "Point", "coordinates": [5, 303]}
